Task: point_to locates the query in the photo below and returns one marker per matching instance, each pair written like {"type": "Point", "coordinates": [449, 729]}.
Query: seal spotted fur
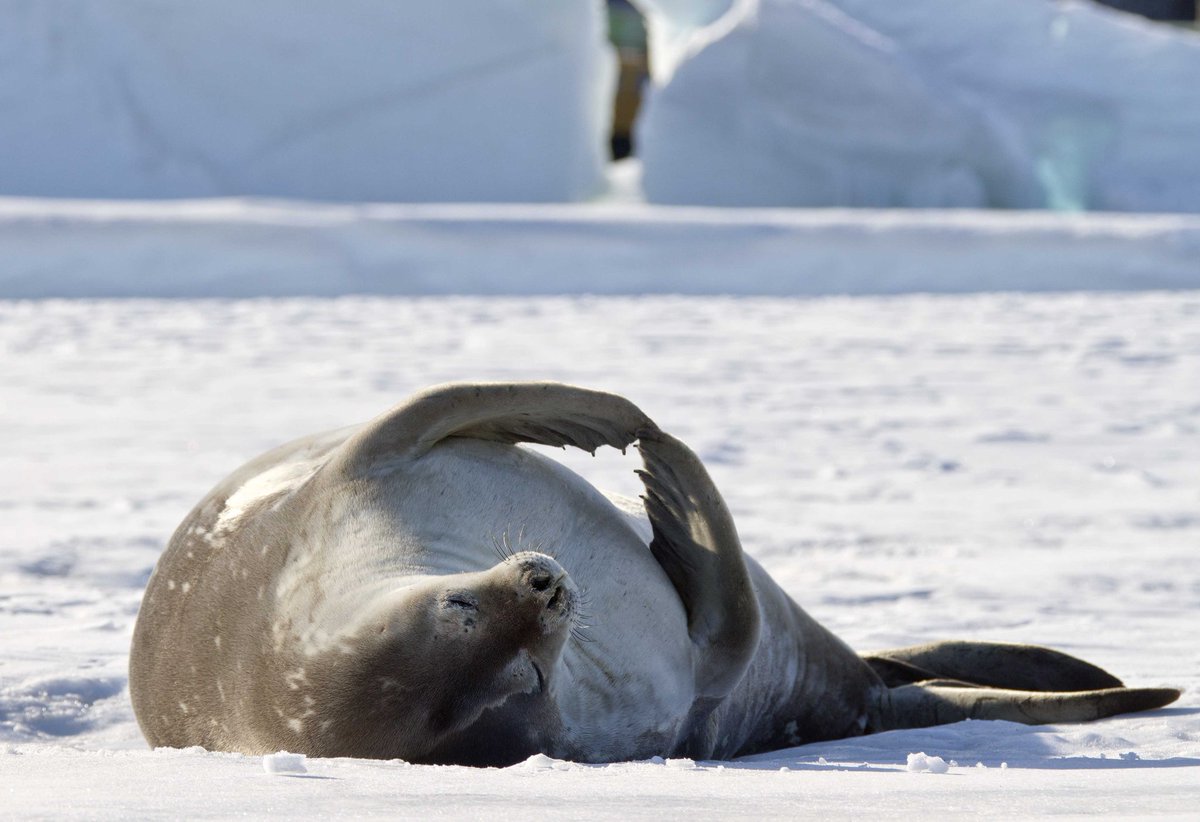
{"type": "Point", "coordinates": [423, 588]}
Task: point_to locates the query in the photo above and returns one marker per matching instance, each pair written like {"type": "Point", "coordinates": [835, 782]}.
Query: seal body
{"type": "Point", "coordinates": [424, 588]}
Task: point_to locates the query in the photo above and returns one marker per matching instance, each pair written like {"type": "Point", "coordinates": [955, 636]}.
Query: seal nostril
{"type": "Point", "coordinates": [540, 582]}
{"type": "Point", "coordinates": [554, 600]}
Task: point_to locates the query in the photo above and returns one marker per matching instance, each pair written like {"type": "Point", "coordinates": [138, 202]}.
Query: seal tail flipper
{"type": "Point", "coordinates": [539, 412]}
{"type": "Point", "coordinates": [992, 664]}
{"type": "Point", "coordinates": [921, 705]}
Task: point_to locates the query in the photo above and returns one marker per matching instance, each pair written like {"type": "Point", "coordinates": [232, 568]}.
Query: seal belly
{"type": "Point", "coordinates": [624, 684]}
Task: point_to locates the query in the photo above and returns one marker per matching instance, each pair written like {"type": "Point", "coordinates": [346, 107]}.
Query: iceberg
{"type": "Point", "coordinates": [356, 100]}
{"type": "Point", "coordinates": [995, 103]}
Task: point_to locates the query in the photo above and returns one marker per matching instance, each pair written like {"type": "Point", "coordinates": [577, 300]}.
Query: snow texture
{"type": "Point", "coordinates": [359, 99]}
{"type": "Point", "coordinates": [238, 248]}
{"type": "Point", "coordinates": [1013, 467]}
{"type": "Point", "coordinates": [926, 103]}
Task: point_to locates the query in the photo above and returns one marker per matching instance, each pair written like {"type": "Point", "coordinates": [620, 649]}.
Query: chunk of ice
{"type": "Point", "coordinates": [284, 762]}
{"type": "Point", "coordinates": [923, 763]}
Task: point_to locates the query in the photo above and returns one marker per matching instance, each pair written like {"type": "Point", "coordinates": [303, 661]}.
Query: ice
{"type": "Point", "coordinates": [284, 762]}
{"type": "Point", "coordinates": [362, 100]}
{"type": "Point", "coordinates": [924, 763]}
{"type": "Point", "coordinates": [246, 248]}
{"type": "Point", "coordinates": [935, 103]}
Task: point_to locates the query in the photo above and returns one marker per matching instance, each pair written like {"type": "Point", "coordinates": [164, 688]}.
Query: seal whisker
{"type": "Point", "coordinates": [579, 633]}
{"type": "Point", "coordinates": [496, 549]}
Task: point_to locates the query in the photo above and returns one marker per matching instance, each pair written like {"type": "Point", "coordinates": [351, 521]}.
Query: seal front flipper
{"type": "Point", "coordinates": [539, 412]}
{"type": "Point", "coordinates": [695, 542]}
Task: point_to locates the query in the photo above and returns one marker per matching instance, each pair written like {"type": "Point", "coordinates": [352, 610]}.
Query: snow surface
{"type": "Point", "coordinates": [928, 103]}
{"type": "Point", "coordinates": [1013, 467]}
{"type": "Point", "coordinates": [354, 100]}
{"type": "Point", "coordinates": [240, 248]}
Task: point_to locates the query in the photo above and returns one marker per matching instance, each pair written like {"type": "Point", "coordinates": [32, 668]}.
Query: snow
{"type": "Point", "coordinates": [358, 100]}
{"type": "Point", "coordinates": [284, 762]}
{"type": "Point", "coordinates": [936, 103]}
{"type": "Point", "coordinates": [1015, 467]}
{"type": "Point", "coordinates": [924, 763]}
{"type": "Point", "coordinates": [915, 437]}
{"type": "Point", "coordinates": [248, 248]}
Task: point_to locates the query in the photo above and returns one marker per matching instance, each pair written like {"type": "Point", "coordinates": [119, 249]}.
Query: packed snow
{"type": "Point", "coordinates": [913, 441]}
{"type": "Point", "coordinates": [929, 103]}
{"type": "Point", "coordinates": [240, 248]}
{"type": "Point", "coordinates": [1010, 467]}
{"type": "Point", "coordinates": [355, 100]}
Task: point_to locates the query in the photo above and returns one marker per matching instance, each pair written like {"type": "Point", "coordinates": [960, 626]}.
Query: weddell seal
{"type": "Point", "coordinates": [423, 588]}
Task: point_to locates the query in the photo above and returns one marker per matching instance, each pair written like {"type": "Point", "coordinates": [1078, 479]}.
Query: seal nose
{"type": "Point", "coordinates": [544, 579]}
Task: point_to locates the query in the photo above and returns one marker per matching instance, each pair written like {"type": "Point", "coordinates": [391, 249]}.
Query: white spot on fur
{"type": "Point", "coordinates": [296, 725]}
{"type": "Point", "coordinates": [183, 707]}
{"type": "Point", "coordinates": [170, 585]}
{"type": "Point", "coordinates": [186, 587]}
{"type": "Point", "coordinates": [217, 641]}
{"type": "Point", "coordinates": [277, 480]}
{"type": "Point", "coordinates": [295, 679]}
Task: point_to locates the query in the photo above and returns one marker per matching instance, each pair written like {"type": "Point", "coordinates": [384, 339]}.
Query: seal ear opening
{"type": "Point", "coordinates": [545, 413]}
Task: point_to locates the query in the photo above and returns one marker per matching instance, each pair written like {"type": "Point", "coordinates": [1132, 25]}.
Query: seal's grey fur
{"type": "Point", "coordinates": [423, 588]}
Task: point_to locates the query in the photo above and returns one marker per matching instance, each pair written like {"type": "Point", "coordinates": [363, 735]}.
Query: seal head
{"type": "Point", "coordinates": [440, 652]}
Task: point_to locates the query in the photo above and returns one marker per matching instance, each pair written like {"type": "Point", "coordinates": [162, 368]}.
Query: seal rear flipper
{"type": "Point", "coordinates": [994, 664]}
{"type": "Point", "coordinates": [539, 412]}
{"type": "Point", "coordinates": [696, 543]}
{"type": "Point", "coordinates": [922, 705]}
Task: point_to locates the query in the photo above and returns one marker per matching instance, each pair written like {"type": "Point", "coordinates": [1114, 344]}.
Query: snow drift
{"type": "Point", "coordinates": [357, 100]}
{"type": "Point", "coordinates": [996, 103]}
{"type": "Point", "coordinates": [245, 248]}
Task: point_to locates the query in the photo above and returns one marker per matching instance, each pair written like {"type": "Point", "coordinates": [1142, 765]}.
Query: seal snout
{"type": "Point", "coordinates": [544, 583]}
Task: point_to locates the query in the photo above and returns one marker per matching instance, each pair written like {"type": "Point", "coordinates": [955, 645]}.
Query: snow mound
{"type": "Point", "coordinates": [924, 763]}
{"type": "Point", "coordinates": [238, 248]}
{"type": "Point", "coordinates": [284, 762]}
{"type": "Point", "coordinates": [370, 100]}
{"type": "Point", "coordinates": [541, 762]}
{"type": "Point", "coordinates": [931, 103]}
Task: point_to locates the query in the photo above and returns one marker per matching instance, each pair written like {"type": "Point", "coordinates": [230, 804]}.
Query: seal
{"type": "Point", "coordinates": [425, 588]}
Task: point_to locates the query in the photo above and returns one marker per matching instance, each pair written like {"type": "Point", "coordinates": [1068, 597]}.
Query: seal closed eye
{"type": "Point", "coordinates": [342, 596]}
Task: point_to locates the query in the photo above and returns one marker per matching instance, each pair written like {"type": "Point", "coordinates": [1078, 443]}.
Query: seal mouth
{"type": "Point", "coordinates": [541, 677]}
